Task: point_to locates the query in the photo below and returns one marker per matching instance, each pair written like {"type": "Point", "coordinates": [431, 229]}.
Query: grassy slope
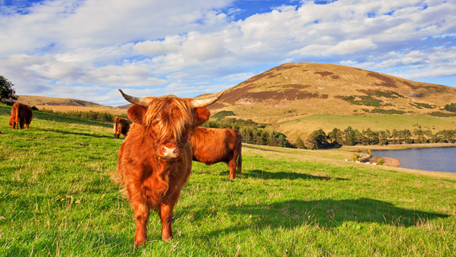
{"type": "Point", "coordinates": [306, 125]}
{"type": "Point", "coordinates": [57, 198]}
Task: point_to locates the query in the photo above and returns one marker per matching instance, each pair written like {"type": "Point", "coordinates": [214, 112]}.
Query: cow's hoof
{"type": "Point", "coordinates": [139, 243]}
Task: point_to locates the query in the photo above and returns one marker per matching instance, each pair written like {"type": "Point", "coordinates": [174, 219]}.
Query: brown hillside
{"type": "Point", "coordinates": [67, 104]}
{"type": "Point", "coordinates": [288, 93]}
{"type": "Point", "coordinates": [298, 98]}
{"type": "Point", "coordinates": [320, 87]}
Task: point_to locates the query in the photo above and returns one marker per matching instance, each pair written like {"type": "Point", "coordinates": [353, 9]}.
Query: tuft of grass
{"type": "Point", "coordinates": [58, 198]}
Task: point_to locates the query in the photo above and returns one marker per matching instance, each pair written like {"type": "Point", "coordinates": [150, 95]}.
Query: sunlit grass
{"type": "Point", "coordinates": [58, 198]}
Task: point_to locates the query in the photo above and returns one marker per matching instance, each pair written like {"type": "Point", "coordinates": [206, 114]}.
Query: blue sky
{"type": "Point", "coordinates": [88, 49]}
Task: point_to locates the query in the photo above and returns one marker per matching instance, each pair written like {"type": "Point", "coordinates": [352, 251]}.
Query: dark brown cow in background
{"type": "Point", "coordinates": [121, 126]}
{"type": "Point", "coordinates": [211, 146]}
{"type": "Point", "coordinates": [20, 114]}
{"type": "Point", "coordinates": [155, 160]}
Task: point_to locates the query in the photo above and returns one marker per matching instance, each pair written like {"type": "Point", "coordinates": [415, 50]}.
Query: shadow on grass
{"type": "Point", "coordinates": [327, 213]}
{"type": "Point", "coordinates": [261, 174]}
{"type": "Point", "coordinates": [260, 147]}
{"type": "Point", "coordinates": [75, 133]}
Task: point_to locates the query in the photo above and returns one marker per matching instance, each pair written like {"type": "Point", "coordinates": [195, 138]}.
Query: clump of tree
{"type": "Point", "coordinates": [441, 114]}
{"type": "Point", "coordinates": [223, 114]}
{"type": "Point", "coordinates": [7, 91]}
{"type": "Point", "coordinates": [90, 115]}
{"type": "Point", "coordinates": [318, 139]}
{"type": "Point", "coordinates": [422, 105]}
{"type": "Point", "coordinates": [383, 111]}
{"type": "Point", "coordinates": [251, 132]}
{"type": "Point", "coordinates": [300, 143]}
{"type": "Point", "coordinates": [450, 107]}
{"type": "Point", "coordinates": [366, 100]}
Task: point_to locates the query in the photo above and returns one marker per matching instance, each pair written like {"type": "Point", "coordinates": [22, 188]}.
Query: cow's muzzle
{"type": "Point", "coordinates": [168, 151]}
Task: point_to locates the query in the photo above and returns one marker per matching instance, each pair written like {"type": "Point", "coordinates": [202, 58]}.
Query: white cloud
{"type": "Point", "coordinates": [126, 76]}
{"type": "Point", "coordinates": [188, 46]}
{"type": "Point", "coordinates": [158, 47]}
{"type": "Point", "coordinates": [344, 47]}
{"type": "Point", "coordinates": [202, 48]}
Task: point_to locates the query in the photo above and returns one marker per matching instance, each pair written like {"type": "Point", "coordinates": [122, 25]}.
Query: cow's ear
{"type": "Point", "coordinates": [136, 114]}
{"type": "Point", "coordinates": [201, 115]}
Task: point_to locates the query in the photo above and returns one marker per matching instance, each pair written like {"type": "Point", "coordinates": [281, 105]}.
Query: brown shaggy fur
{"type": "Point", "coordinates": [155, 160]}
{"type": "Point", "coordinates": [211, 146]}
{"type": "Point", "coordinates": [121, 126]}
{"type": "Point", "coordinates": [20, 114]}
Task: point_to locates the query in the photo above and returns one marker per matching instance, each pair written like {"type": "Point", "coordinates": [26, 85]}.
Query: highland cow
{"type": "Point", "coordinates": [155, 160]}
{"type": "Point", "coordinates": [20, 114]}
{"type": "Point", "coordinates": [211, 146]}
{"type": "Point", "coordinates": [121, 126]}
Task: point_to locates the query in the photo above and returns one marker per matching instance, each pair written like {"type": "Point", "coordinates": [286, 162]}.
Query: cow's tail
{"type": "Point", "coordinates": [239, 163]}
{"type": "Point", "coordinates": [239, 155]}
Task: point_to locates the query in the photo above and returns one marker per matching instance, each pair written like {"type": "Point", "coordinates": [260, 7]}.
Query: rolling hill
{"type": "Point", "coordinates": [67, 104]}
{"type": "Point", "coordinates": [298, 98]}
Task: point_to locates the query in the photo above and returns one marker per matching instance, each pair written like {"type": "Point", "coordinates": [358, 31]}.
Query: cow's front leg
{"type": "Point", "coordinates": [141, 216]}
{"type": "Point", "coordinates": [166, 216]}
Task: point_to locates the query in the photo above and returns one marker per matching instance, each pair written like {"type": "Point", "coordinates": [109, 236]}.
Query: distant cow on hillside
{"type": "Point", "coordinates": [211, 146]}
{"type": "Point", "coordinates": [20, 114]}
{"type": "Point", "coordinates": [121, 126]}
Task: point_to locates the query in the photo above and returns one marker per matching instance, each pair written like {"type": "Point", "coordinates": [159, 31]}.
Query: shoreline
{"type": "Point", "coordinates": [392, 162]}
{"type": "Point", "coordinates": [398, 146]}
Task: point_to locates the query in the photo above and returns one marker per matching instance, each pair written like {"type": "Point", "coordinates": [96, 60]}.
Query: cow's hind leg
{"type": "Point", "coordinates": [232, 167]}
{"type": "Point", "coordinates": [141, 216]}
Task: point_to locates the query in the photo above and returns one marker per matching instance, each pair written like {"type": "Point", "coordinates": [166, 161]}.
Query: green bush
{"type": "Point", "coordinates": [441, 114]}
{"type": "Point", "coordinates": [422, 105]}
{"type": "Point", "coordinates": [223, 114]}
{"type": "Point", "coordinates": [383, 111]}
{"type": "Point", "coordinates": [388, 94]}
{"type": "Point", "coordinates": [450, 107]}
{"type": "Point", "coordinates": [366, 100]}
{"type": "Point", "coordinates": [355, 157]}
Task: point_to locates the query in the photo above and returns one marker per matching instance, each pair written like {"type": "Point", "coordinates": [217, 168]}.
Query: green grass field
{"type": "Point", "coordinates": [58, 198]}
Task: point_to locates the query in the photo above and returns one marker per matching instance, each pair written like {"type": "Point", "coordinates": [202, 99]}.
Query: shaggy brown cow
{"type": "Point", "coordinates": [20, 114]}
{"type": "Point", "coordinates": [155, 160]}
{"type": "Point", "coordinates": [211, 146]}
{"type": "Point", "coordinates": [121, 126]}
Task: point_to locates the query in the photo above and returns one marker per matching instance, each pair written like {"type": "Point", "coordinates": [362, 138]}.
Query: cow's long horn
{"type": "Point", "coordinates": [206, 102]}
{"type": "Point", "coordinates": [135, 100]}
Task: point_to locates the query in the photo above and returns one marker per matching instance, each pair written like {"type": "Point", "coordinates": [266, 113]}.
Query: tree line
{"type": "Point", "coordinates": [251, 132]}
{"type": "Point", "coordinates": [349, 136]}
{"type": "Point", "coordinates": [90, 115]}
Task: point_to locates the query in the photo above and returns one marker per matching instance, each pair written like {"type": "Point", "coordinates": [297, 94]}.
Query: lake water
{"type": "Point", "coordinates": [441, 159]}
